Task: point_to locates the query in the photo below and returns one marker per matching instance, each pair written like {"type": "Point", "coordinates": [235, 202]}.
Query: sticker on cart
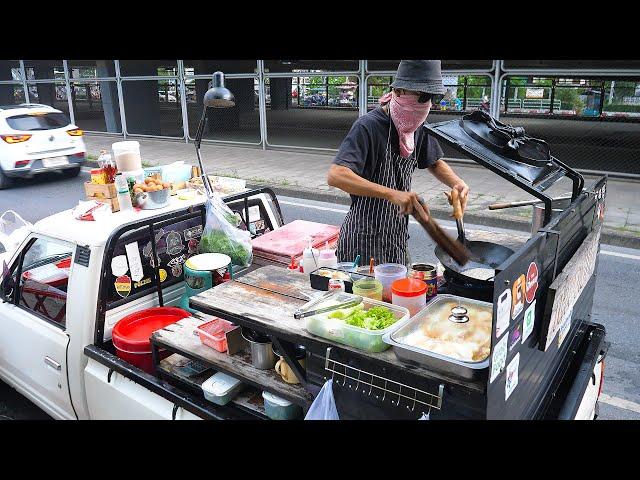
{"type": "Point", "coordinates": [532, 282]}
{"type": "Point", "coordinates": [518, 296]}
{"type": "Point", "coordinates": [176, 270]}
{"type": "Point", "coordinates": [119, 265]}
{"type": "Point", "coordinates": [515, 336]}
{"type": "Point", "coordinates": [123, 285]}
{"type": "Point", "coordinates": [174, 243]}
{"type": "Point", "coordinates": [512, 377]}
{"type": "Point", "coordinates": [565, 325]}
{"type": "Point", "coordinates": [192, 247]}
{"type": "Point", "coordinates": [163, 274]}
{"type": "Point", "coordinates": [193, 232]}
{"type": "Point", "coordinates": [142, 282]}
{"type": "Point", "coordinates": [135, 262]}
{"type": "Point", "coordinates": [499, 358]}
{"type": "Point", "coordinates": [503, 313]}
{"type": "Point", "coordinates": [529, 321]}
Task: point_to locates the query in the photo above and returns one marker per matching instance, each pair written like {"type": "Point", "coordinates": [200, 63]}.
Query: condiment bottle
{"type": "Point", "coordinates": [293, 266]}
{"type": "Point", "coordinates": [310, 257]}
{"type": "Point", "coordinates": [124, 196]}
{"type": "Point", "coordinates": [328, 258]}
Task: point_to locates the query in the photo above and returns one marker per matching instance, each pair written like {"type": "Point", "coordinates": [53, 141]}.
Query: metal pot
{"type": "Point", "coordinates": [262, 356]}
{"type": "Point", "coordinates": [537, 217]}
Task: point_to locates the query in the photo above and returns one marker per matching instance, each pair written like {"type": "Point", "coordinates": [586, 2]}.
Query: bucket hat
{"type": "Point", "coordinates": [420, 75]}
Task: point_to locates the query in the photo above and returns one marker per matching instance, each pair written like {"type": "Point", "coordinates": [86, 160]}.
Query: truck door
{"type": "Point", "coordinates": [33, 337]}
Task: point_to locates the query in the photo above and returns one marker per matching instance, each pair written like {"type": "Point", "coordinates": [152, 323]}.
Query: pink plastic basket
{"type": "Point", "coordinates": [213, 333]}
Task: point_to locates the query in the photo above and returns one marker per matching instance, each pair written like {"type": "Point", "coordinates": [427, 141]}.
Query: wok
{"type": "Point", "coordinates": [483, 255]}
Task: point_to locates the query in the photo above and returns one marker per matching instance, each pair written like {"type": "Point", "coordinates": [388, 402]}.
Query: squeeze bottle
{"type": "Point", "coordinates": [328, 258]}
{"type": "Point", "coordinates": [310, 258]}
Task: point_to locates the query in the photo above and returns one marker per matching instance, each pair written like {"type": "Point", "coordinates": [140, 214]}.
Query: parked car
{"type": "Point", "coordinates": [36, 139]}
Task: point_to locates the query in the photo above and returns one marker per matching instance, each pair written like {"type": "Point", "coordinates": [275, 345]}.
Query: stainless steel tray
{"type": "Point", "coordinates": [426, 358]}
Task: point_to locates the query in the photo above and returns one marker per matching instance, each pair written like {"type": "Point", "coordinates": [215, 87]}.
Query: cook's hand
{"type": "Point", "coordinates": [463, 193]}
{"type": "Point", "coordinates": [420, 211]}
{"type": "Point", "coordinates": [405, 200]}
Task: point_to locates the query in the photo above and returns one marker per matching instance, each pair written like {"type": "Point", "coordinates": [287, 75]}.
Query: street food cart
{"type": "Point", "coordinates": [545, 353]}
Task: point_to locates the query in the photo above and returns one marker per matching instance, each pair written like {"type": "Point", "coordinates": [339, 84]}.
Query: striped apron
{"type": "Point", "coordinates": [373, 227]}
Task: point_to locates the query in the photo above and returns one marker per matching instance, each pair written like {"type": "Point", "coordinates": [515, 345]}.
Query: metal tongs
{"type": "Point", "coordinates": [306, 311]}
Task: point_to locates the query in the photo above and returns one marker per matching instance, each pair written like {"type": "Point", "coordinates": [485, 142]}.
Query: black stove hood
{"type": "Point", "coordinates": [507, 151]}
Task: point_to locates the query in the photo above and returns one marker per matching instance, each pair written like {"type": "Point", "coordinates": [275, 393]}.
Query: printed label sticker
{"type": "Point", "coordinates": [565, 325]}
{"type": "Point", "coordinates": [119, 265]}
{"type": "Point", "coordinates": [123, 286]}
{"type": "Point", "coordinates": [515, 336]}
{"type": "Point", "coordinates": [135, 262]}
{"type": "Point", "coordinates": [176, 270]}
{"type": "Point", "coordinates": [503, 312]}
{"type": "Point", "coordinates": [518, 296]}
{"type": "Point", "coordinates": [512, 377]}
{"type": "Point", "coordinates": [529, 321]}
{"type": "Point", "coordinates": [192, 246]}
{"type": "Point", "coordinates": [142, 282]}
{"type": "Point", "coordinates": [499, 358]}
{"type": "Point", "coordinates": [532, 282]}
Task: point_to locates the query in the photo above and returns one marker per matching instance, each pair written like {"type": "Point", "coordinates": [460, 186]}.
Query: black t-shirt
{"type": "Point", "coordinates": [366, 142]}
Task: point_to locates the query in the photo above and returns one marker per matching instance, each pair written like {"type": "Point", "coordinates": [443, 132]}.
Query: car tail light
{"type": "Point", "coordinates": [79, 154]}
{"type": "Point", "coordinates": [22, 163]}
{"type": "Point", "coordinates": [76, 132]}
{"type": "Point", "coordinates": [15, 138]}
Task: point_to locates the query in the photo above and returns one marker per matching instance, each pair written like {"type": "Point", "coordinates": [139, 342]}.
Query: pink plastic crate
{"type": "Point", "coordinates": [213, 333]}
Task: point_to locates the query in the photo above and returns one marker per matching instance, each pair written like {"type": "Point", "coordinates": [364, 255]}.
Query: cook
{"type": "Point", "coordinates": [376, 160]}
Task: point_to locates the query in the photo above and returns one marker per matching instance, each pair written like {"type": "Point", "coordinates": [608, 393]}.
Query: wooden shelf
{"type": "Point", "coordinates": [179, 338]}
{"type": "Point", "coordinates": [249, 398]}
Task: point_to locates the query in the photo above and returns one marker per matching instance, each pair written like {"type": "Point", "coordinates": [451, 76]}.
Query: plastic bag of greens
{"type": "Point", "coordinates": [221, 235]}
{"type": "Point", "coordinates": [324, 406]}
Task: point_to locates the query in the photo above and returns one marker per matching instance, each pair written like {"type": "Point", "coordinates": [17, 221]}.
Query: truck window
{"type": "Point", "coordinates": [44, 280]}
{"type": "Point", "coordinates": [175, 243]}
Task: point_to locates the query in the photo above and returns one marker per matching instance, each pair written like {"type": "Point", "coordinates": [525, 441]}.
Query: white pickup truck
{"type": "Point", "coordinates": [55, 335]}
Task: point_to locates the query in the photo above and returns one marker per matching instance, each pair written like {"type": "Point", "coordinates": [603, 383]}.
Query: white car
{"type": "Point", "coordinates": [38, 138]}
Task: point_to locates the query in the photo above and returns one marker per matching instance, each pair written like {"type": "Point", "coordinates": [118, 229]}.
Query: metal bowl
{"type": "Point", "coordinates": [153, 200]}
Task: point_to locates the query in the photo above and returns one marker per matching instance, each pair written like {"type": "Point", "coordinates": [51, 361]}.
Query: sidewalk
{"type": "Point", "coordinates": [303, 175]}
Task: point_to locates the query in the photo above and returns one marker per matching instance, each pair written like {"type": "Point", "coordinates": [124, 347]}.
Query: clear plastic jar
{"type": "Point", "coordinates": [368, 287]}
{"type": "Point", "coordinates": [388, 273]}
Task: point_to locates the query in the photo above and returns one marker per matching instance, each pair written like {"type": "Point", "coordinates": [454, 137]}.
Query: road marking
{"type": "Point", "coordinates": [339, 210]}
{"type": "Point", "coordinates": [620, 403]}
{"type": "Point", "coordinates": [617, 254]}
{"type": "Point", "coordinates": [413, 222]}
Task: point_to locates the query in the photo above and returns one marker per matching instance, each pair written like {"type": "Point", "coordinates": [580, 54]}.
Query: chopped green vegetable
{"type": "Point", "coordinates": [376, 318]}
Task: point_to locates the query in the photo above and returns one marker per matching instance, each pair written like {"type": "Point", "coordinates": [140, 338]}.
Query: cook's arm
{"type": "Point", "coordinates": [445, 174]}
{"type": "Point", "coordinates": [348, 181]}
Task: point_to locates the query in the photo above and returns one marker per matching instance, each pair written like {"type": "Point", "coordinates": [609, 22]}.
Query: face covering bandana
{"type": "Point", "coordinates": [407, 115]}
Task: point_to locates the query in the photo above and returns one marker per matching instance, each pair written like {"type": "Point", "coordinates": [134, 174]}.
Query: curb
{"type": "Point", "coordinates": [610, 236]}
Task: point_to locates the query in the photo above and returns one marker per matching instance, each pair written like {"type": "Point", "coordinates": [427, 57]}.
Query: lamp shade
{"type": "Point", "coordinates": [218, 96]}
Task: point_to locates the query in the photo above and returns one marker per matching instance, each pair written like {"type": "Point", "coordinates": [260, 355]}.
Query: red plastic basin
{"type": "Point", "coordinates": [131, 334]}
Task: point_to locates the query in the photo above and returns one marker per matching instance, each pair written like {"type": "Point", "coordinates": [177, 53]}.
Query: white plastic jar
{"type": "Point", "coordinates": [410, 293]}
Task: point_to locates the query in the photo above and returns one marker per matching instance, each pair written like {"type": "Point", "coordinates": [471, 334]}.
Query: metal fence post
{"type": "Point", "coordinates": [262, 105]}
{"type": "Point", "coordinates": [123, 120]}
{"type": "Point", "coordinates": [67, 85]}
{"type": "Point", "coordinates": [363, 89]}
{"type": "Point", "coordinates": [496, 90]}
{"type": "Point", "coordinates": [23, 72]}
{"type": "Point", "coordinates": [183, 100]}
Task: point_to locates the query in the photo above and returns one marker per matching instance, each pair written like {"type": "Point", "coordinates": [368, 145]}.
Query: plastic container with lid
{"type": "Point", "coordinates": [368, 287]}
{"type": "Point", "coordinates": [339, 331]}
{"type": "Point", "coordinates": [221, 388]}
{"type": "Point", "coordinates": [388, 273]}
{"type": "Point", "coordinates": [410, 293]}
{"type": "Point", "coordinates": [127, 155]}
{"type": "Point", "coordinates": [277, 408]}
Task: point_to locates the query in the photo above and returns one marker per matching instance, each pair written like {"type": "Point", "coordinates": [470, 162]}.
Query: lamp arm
{"type": "Point", "coordinates": [197, 142]}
